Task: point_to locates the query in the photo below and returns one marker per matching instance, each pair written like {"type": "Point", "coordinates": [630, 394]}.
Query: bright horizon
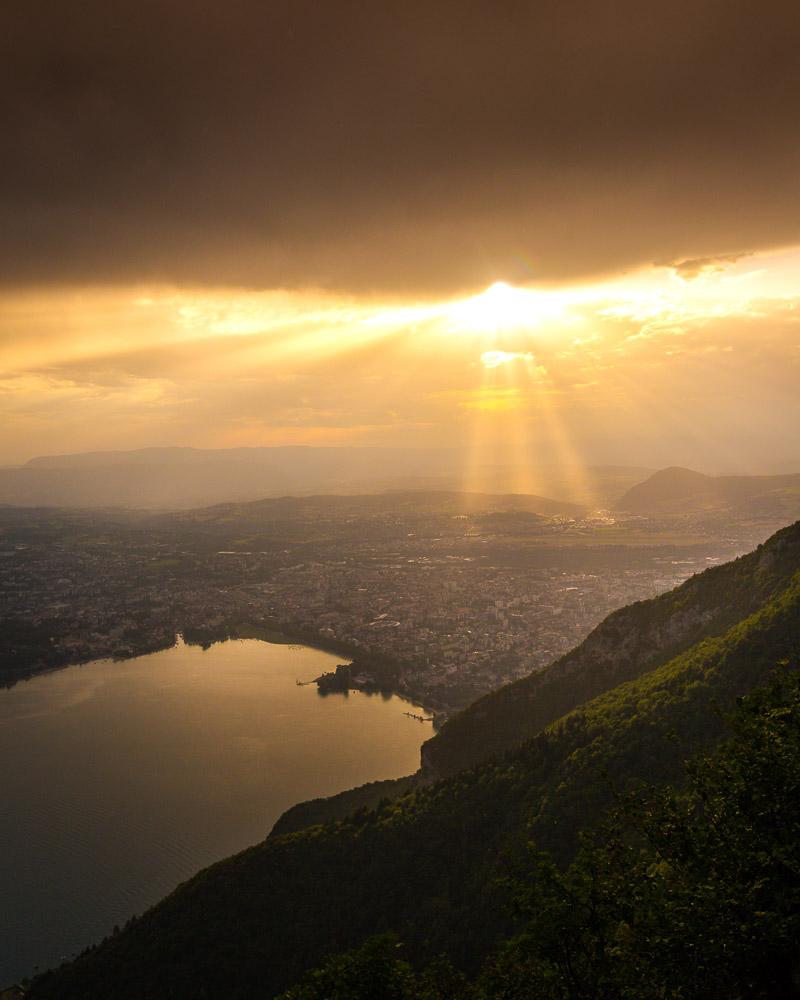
{"type": "Point", "coordinates": [557, 233]}
{"type": "Point", "coordinates": [694, 365]}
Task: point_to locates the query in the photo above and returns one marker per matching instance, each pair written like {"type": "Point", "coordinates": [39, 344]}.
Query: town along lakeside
{"type": "Point", "coordinates": [455, 609]}
{"type": "Point", "coordinates": [366, 670]}
{"type": "Point", "coordinates": [370, 671]}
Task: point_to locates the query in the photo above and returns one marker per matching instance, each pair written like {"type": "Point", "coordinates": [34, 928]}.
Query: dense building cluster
{"type": "Point", "coordinates": [456, 612]}
{"type": "Point", "coordinates": [460, 625]}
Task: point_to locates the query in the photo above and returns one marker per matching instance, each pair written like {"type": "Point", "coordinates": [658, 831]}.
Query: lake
{"type": "Point", "coordinates": [121, 779]}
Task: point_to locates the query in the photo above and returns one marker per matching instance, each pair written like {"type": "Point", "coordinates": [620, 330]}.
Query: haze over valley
{"type": "Point", "coordinates": [169, 478]}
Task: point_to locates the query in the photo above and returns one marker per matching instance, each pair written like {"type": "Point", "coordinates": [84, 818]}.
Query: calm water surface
{"type": "Point", "coordinates": [120, 780]}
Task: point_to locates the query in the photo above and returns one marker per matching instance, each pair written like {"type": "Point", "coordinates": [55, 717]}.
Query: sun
{"type": "Point", "coordinates": [504, 307]}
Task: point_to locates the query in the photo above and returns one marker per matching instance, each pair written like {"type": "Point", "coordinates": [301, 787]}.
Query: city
{"type": "Point", "coordinates": [438, 606]}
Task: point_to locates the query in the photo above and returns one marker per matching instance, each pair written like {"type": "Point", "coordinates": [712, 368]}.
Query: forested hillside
{"type": "Point", "coordinates": [675, 897]}
{"type": "Point", "coordinates": [427, 865]}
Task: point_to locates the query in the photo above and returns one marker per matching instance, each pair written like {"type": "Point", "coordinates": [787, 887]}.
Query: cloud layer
{"type": "Point", "coordinates": [405, 146]}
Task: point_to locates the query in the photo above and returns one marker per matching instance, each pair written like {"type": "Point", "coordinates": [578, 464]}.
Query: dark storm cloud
{"type": "Point", "coordinates": [404, 146]}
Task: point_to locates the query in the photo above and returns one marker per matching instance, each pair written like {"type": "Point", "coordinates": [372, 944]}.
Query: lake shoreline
{"type": "Point", "coordinates": [167, 765]}
{"type": "Point", "coordinates": [384, 673]}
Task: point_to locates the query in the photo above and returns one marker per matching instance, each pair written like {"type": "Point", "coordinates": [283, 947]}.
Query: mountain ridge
{"type": "Point", "coordinates": [625, 644]}
{"type": "Point", "coordinates": [185, 477]}
{"type": "Point", "coordinates": [679, 490]}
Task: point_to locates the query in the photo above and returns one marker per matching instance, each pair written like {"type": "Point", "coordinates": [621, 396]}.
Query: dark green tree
{"type": "Point", "coordinates": [377, 971]}
{"type": "Point", "coordinates": [680, 894]}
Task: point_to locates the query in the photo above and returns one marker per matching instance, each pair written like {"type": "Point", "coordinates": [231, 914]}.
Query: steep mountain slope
{"type": "Point", "coordinates": [426, 865]}
{"type": "Point", "coordinates": [628, 643]}
{"type": "Point", "coordinates": [682, 491]}
{"type": "Point", "coordinates": [686, 893]}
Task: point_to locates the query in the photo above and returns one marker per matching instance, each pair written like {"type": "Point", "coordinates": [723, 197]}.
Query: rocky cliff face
{"type": "Point", "coordinates": [627, 644]}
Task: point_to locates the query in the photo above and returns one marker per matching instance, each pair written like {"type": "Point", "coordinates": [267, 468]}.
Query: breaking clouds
{"type": "Point", "coordinates": [408, 147]}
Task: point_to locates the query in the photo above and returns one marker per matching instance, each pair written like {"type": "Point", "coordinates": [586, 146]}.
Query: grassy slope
{"type": "Point", "coordinates": [426, 865]}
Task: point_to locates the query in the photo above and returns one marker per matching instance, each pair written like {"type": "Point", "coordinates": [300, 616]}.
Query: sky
{"type": "Point", "coordinates": [551, 230]}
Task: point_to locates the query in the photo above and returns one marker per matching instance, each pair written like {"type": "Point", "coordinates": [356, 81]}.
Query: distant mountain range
{"type": "Point", "coordinates": [493, 506]}
{"type": "Point", "coordinates": [544, 758]}
{"type": "Point", "coordinates": [682, 491]}
{"type": "Point", "coordinates": [190, 478]}
{"type": "Point", "coordinates": [181, 478]}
